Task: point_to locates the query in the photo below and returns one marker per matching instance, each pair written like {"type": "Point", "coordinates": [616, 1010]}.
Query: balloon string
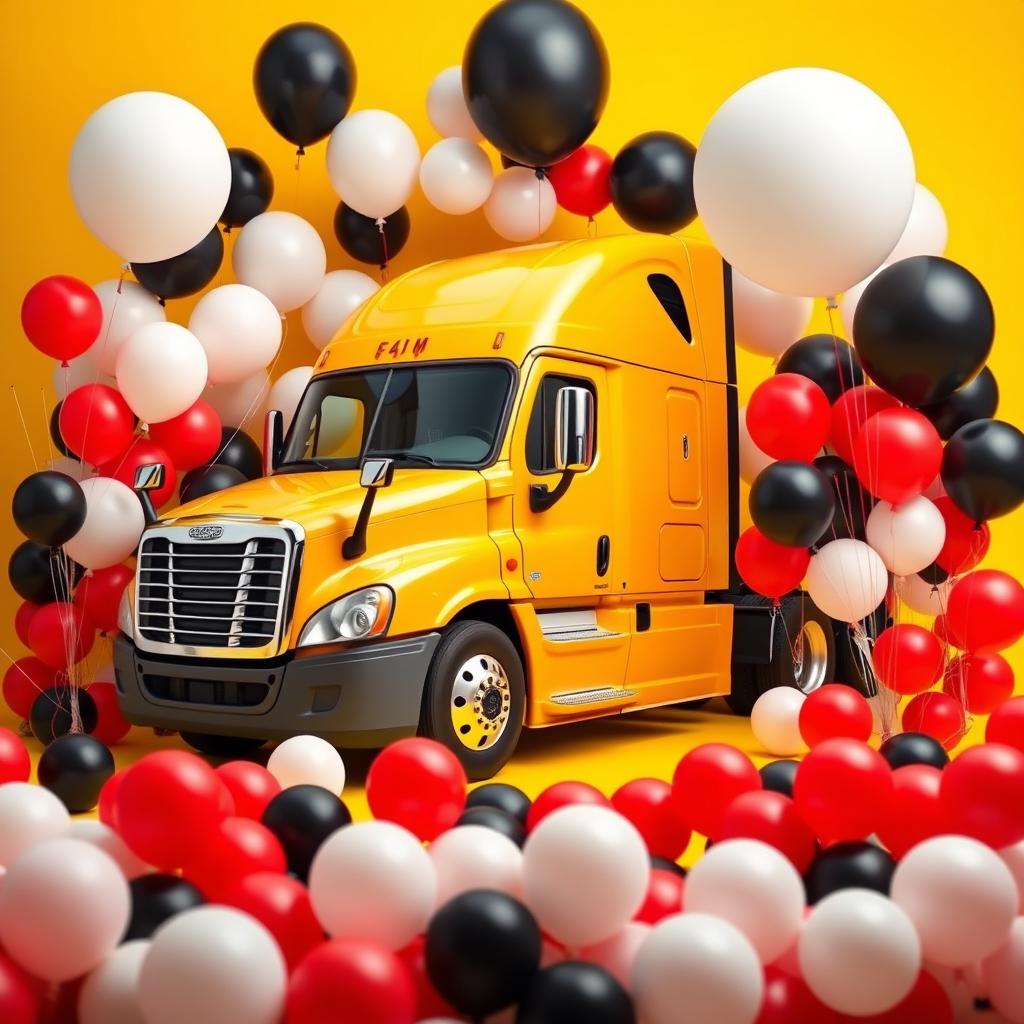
{"type": "Point", "coordinates": [380, 222]}
{"type": "Point", "coordinates": [24, 427]}
{"type": "Point", "coordinates": [299, 154]}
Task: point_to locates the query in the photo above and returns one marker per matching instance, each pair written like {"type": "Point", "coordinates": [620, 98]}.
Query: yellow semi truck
{"type": "Point", "coordinates": [508, 497]}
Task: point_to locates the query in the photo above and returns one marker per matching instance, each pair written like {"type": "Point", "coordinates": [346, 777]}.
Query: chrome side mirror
{"type": "Point", "coordinates": [574, 430]}
{"type": "Point", "coordinates": [373, 475]}
{"type": "Point", "coordinates": [148, 478]}
{"type": "Point", "coordinates": [273, 441]}
{"type": "Point", "coordinates": [376, 473]}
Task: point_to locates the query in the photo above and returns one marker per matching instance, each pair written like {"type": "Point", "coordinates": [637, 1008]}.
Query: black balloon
{"type": "Point", "coordinates": [575, 991]}
{"type": "Point", "coordinates": [933, 574]}
{"type": "Point", "coordinates": [792, 503]}
{"type": "Point", "coordinates": [535, 76]}
{"type": "Point", "coordinates": [52, 712]}
{"type": "Point", "coordinates": [923, 328]}
{"type": "Point", "coordinates": [366, 240]}
{"type": "Point", "coordinates": [913, 748]}
{"type": "Point", "coordinates": [55, 434]}
{"type": "Point", "coordinates": [49, 507]}
{"type": "Point", "coordinates": [779, 776]}
{"type": "Point", "coordinates": [976, 400]}
{"type": "Point", "coordinates": [75, 767]}
{"type": "Point", "coordinates": [853, 503]}
{"type": "Point", "coordinates": [239, 451]}
{"type": "Point", "coordinates": [827, 360]}
{"type": "Point", "coordinates": [204, 480]}
{"type": "Point", "coordinates": [39, 573]}
{"type": "Point", "coordinates": [848, 866]}
{"type": "Point", "coordinates": [185, 274]}
{"type": "Point", "coordinates": [496, 819]}
{"type": "Point", "coordinates": [652, 182]}
{"type": "Point", "coordinates": [509, 799]}
{"type": "Point", "coordinates": [252, 188]}
{"type": "Point", "coordinates": [302, 817]}
{"type": "Point", "coordinates": [156, 899]}
{"type": "Point", "coordinates": [482, 951]}
{"type": "Point", "coordinates": [304, 79]}
{"type": "Point", "coordinates": [983, 469]}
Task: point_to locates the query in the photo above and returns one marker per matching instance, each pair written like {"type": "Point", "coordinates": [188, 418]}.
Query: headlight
{"type": "Point", "coordinates": [124, 614]}
{"type": "Point", "coordinates": [358, 616]}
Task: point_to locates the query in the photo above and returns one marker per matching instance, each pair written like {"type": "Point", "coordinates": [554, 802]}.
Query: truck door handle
{"type": "Point", "coordinates": [604, 553]}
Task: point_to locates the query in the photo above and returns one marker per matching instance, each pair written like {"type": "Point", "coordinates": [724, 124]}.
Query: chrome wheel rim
{"type": "Point", "coordinates": [810, 657]}
{"type": "Point", "coordinates": [481, 702]}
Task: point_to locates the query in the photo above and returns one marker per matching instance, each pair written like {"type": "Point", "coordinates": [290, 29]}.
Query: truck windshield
{"type": "Point", "coordinates": [445, 414]}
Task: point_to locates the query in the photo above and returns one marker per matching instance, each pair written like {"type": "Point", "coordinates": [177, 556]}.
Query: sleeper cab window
{"type": "Point", "coordinates": [540, 434]}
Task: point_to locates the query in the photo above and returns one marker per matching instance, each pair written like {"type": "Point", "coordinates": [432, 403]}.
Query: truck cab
{"type": "Point", "coordinates": [508, 498]}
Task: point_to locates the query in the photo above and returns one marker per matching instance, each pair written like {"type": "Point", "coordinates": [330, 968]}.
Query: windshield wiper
{"type": "Point", "coordinates": [305, 462]}
{"type": "Point", "coordinates": [402, 456]}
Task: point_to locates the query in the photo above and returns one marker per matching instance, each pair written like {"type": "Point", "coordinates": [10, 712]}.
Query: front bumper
{"type": "Point", "coordinates": [358, 697]}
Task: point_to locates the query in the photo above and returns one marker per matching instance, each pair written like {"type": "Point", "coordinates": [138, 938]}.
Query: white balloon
{"type": "Point", "coordinates": [71, 467]}
{"type": "Point", "coordinates": [1004, 975]}
{"type": "Point", "coordinates": [456, 176]}
{"type": "Point", "coordinates": [926, 232]}
{"type": "Point", "coordinates": [1013, 858]}
{"type": "Point", "coordinates": [446, 106]}
{"type": "Point", "coordinates": [287, 391]}
{"type": "Point", "coordinates": [79, 371]}
{"type": "Point", "coordinates": [372, 160]}
{"type": "Point", "coordinates": [64, 906]}
{"type": "Point", "coordinates": [859, 952]}
{"type": "Point", "coordinates": [474, 857]}
{"type": "Point", "coordinates": [281, 255]}
{"type": "Point", "coordinates": [848, 303]}
{"type": "Point", "coordinates": [28, 815]}
{"type": "Point", "coordinates": [307, 761]}
{"type": "Point", "coordinates": [960, 896]}
{"type": "Point", "coordinates": [374, 881]}
{"type": "Point", "coordinates": [150, 175]}
{"type": "Point", "coordinates": [341, 294]}
{"type": "Point", "coordinates": [114, 522]}
{"type": "Point", "coordinates": [104, 838]}
{"type": "Point", "coordinates": [161, 371]}
{"type": "Point", "coordinates": [521, 206]}
{"type": "Point", "coordinates": [239, 329]}
{"type": "Point", "coordinates": [585, 874]}
{"type": "Point", "coordinates": [618, 953]}
{"type": "Point", "coordinates": [804, 180]}
{"type": "Point", "coordinates": [923, 597]}
{"type": "Point", "coordinates": [775, 721]}
{"type": "Point", "coordinates": [752, 459]}
{"type": "Point", "coordinates": [240, 403]}
{"type": "Point", "coordinates": [847, 580]}
{"type": "Point", "coordinates": [127, 306]}
{"type": "Point", "coordinates": [700, 966]}
{"type": "Point", "coordinates": [110, 994]}
{"type": "Point", "coordinates": [209, 965]}
{"type": "Point", "coordinates": [908, 538]}
{"type": "Point", "coordinates": [767, 322]}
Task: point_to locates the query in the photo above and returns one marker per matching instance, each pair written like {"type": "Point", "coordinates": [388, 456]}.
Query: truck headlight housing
{"type": "Point", "coordinates": [124, 615]}
{"type": "Point", "coordinates": [358, 616]}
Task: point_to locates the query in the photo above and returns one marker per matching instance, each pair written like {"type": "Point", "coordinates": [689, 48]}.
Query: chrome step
{"type": "Point", "coordinates": [563, 636]}
{"type": "Point", "coordinates": [570, 626]}
{"type": "Point", "coordinates": [598, 696]}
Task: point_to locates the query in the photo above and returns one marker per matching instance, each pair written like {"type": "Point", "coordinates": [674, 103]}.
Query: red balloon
{"type": "Point", "coordinates": [143, 452]}
{"type": "Point", "coordinates": [772, 818]}
{"type": "Point", "coordinates": [966, 544]}
{"type": "Point", "coordinates": [916, 812]}
{"type": "Point", "coordinates": [24, 680]}
{"type": "Point", "coordinates": [20, 1001]}
{"type": "Point", "coordinates": [349, 981]}
{"type": "Point", "coordinates": [664, 896]}
{"type": "Point", "coordinates": [908, 658]}
{"type": "Point", "coordinates": [939, 629]}
{"type": "Point", "coordinates": [61, 634]}
{"type": "Point", "coordinates": [981, 681]}
{"type": "Point", "coordinates": [788, 1000]}
{"type": "Point", "coordinates": [190, 439]}
{"type": "Point", "coordinates": [788, 417]}
{"type": "Point", "coordinates": [1006, 724]}
{"type": "Point", "coordinates": [648, 804]}
{"type": "Point", "coordinates": [768, 568]}
{"type": "Point", "coordinates": [251, 786]}
{"type": "Point", "coordinates": [111, 726]}
{"type": "Point", "coordinates": [835, 710]}
{"type": "Point", "coordinates": [61, 316]}
{"type": "Point", "coordinates": [985, 611]}
{"type": "Point", "coordinates": [236, 848]}
{"type": "Point", "coordinates": [581, 181]}
{"type": "Point", "coordinates": [106, 808]}
{"type": "Point", "coordinates": [166, 803]}
{"type": "Point", "coordinates": [99, 595]}
{"type": "Point", "coordinates": [419, 784]}
{"type": "Point", "coordinates": [897, 454]}
{"type": "Point", "coordinates": [843, 790]}
{"type": "Point", "coordinates": [15, 764]}
{"type": "Point", "coordinates": [22, 619]}
{"type": "Point", "coordinates": [852, 410]}
{"type": "Point", "coordinates": [563, 794]}
{"type": "Point", "coordinates": [927, 1002]}
{"type": "Point", "coordinates": [96, 423]}
{"type": "Point", "coordinates": [983, 794]}
{"type": "Point", "coordinates": [937, 714]}
{"type": "Point", "coordinates": [707, 780]}
{"type": "Point", "coordinates": [430, 1004]}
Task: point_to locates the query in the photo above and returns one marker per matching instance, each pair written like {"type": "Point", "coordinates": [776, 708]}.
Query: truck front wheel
{"type": "Point", "coordinates": [474, 701]}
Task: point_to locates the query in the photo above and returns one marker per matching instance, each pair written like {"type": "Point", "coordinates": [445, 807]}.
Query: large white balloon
{"type": "Point", "coordinates": [287, 391]}
{"type": "Point", "coordinates": [110, 994]}
{"type": "Point", "coordinates": [521, 206]}
{"type": "Point", "coordinates": [752, 459]}
{"type": "Point", "coordinates": [775, 721]}
{"type": "Point", "coordinates": [907, 538]}
{"type": "Point", "coordinates": [341, 294]}
{"type": "Point", "coordinates": [150, 175]}
{"type": "Point", "coordinates": [28, 815]}
{"type": "Point", "coordinates": [372, 160]}
{"type": "Point", "coordinates": [161, 371]}
{"type": "Point", "coordinates": [767, 322]}
{"type": "Point", "coordinates": [446, 106]}
{"type": "Point", "coordinates": [239, 329]}
{"type": "Point", "coordinates": [474, 857]}
{"type": "Point", "coordinates": [456, 176]}
{"type": "Point", "coordinates": [926, 232]}
{"type": "Point", "coordinates": [700, 969]}
{"type": "Point", "coordinates": [281, 255]}
{"type": "Point", "coordinates": [242, 402]}
{"type": "Point", "coordinates": [923, 597]}
{"type": "Point", "coordinates": [307, 761]}
{"type": "Point", "coordinates": [847, 580]}
{"type": "Point", "coordinates": [804, 180]}
{"type": "Point", "coordinates": [1003, 975]}
{"type": "Point", "coordinates": [104, 838]}
{"type": "Point", "coordinates": [127, 306]}
{"type": "Point", "coordinates": [114, 522]}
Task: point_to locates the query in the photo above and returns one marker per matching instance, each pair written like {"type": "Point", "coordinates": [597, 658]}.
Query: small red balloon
{"type": "Point", "coordinates": [15, 764]}
{"type": "Point", "coordinates": [99, 595]}
{"type": "Point", "coordinates": [563, 794]}
{"type": "Point", "coordinates": [707, 780]}
{"type": "Point", "coordinates": [190, 439]}
{"type": "Point", "coordinates": [61, 634]}
{"type": "Point", "coordinates": [111, 725]}
{"type": "Point", "coordinates": [915, 811]}
{"type": "Point", "coordinates": [985, 611]}
{"type": "Point", "coordinates": [981, 681]}
{"type": "Point", "coordinates": [106, 808]}
{"type": "Point", "coordinates": [769, 568]}
{"type": "Point", "coordinates": [664, 896]}
{"type": "Point", "coordinates": [61, 316]}
{"type": "Point", "coordinates": [788, 417]}
{"type": "Point", "coordinates": [430, 1004]}
{"type": "Point", "coordinates": [835, 710]}
{"type": "Point", "coordinates": [235, 848]}
{"type": "Point", "coordinates": [24, 680]}
{"type": "Point", "coordinates": [788, 1000]}
{"type": "Point", "coordinates": [908, 658]}
{"type": "Point", "coordinates": [20, 994]}
{"type": "Point", "coordinates": [251, 786]}
{"type": "Point", "coordinates": [1006, 724]}
{"type": "Point", "coordinates": [22, 619]}
{"type": "Point", "coordinates": [772, 818]}
{"type": "Point", "coordinates": [96, 423]}
{"type": "Point", "coordinates": [852, 410]}
{"type": "Point", "coordinates": [648, 804]}
{"type": "Point", "coordinates": [938, 715]}
{"type": "Point", "coordinates": [966, 544]}
{"type": "Point", "coordinates": [581, 181]}
{"type": "Point", "coordinates": [983, 794]}
{"type": "Point", "coordinates": [897, 454]}
{"type": "Point", "coordinates": [143, 452]}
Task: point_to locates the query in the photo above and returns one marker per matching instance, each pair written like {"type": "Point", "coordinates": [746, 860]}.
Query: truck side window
{"type": "Point", "coordinates": [540, 434]}
{"type": "Point", "coordinates": [671, 298]}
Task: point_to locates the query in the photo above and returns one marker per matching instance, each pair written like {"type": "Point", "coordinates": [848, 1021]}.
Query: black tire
{"type": "Point", "coordinates": [460, 644]}
{"type": "Point", "coordinates": [222, 746]}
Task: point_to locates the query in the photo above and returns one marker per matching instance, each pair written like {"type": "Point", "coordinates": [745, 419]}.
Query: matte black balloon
{"type": "Point", "coordinates": [792, 503]}
{"type": "Point", "coordinates": [535, 76]}
{"type": "Point", "coordinates": [983, 469]}
{"type": "Point", "coordinates": [853, 502]}
{"type": "Point", "coordinates": [55, 434]}
{"type": "Point", "coordinates": [482, 951]}
{"type": "Point", "coordinates": [575, 991]}
{"type": "Point", "coordinates": [304, 80]}
{"type": "Point", "coordinates": [252, 188]}
{"type": "Point", "coordinates": [779, 776]}
{"type": "Point", "coordinates": [496, 819]}
{"type": "Point", "coordinates": [933, 574]}
{"type": "Point", "coordinates": [848, 866]}
{"type": "Point", "coordinates": [302, 817]}
{"type": "Point", "coordinates": [668, 865]}
{"type": "Point", "coordinates": [239, 451]}
{"type": "Point", "coordinates": [49, 507]}
{"type": "Point", "coordinates": [156, 899]}
{"type": "Point", "coordinates": [75, 767]}
{"type": "Point", "coordinates": [652, 182]}
{"type": "Point", "coordinates": [185, 274]}
{"type": "Point", "coordinates": [39, 573]}
{"type": "Point", "coordinates": [827, 360]}
{"type": "Point", "coordinates": [923, 328]}
{"type": "Point", "coordinates": [509, 799]}
{"type": "Point", "coordinates": [51, 714]}
{"type": "Point", "coordinates": [913, 748]}
{"type": "Point", "coordinates": [976, 400]}
{"type": "Point", "coordinates": [364, 240]}
{"type": "Point", "coordinates": [204, 480]}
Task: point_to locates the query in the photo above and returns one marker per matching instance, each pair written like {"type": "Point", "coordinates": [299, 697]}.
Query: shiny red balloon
{"type": "Point", "coordinates": [106, 808]}
{"type": "Point", "coordinates": [1006, 724]}
{"type": "Point", "coordinates": [927, 1002]}
{"type": "Point", "coordinates": [985, 611]}
{"type": "Point", "coordinates": [788, 1000]}
{"type": "Point", "coordinates": [430, 1004]}
{"type": "Point", "coordinates": [251, 787]}
{"type": "Point", "coordinates": [908, 658]}
{"type": "Point", "coordinates": [61, 316]}
{"type": "Point", "coordinates": [96, 423]}
{"type": "Point", "coordinates": [788, 417]}
{"type": "Point", "coordinates": [111, 725]}
{"type": "Point", "coordinates": [915, 812]}
{"type": "Point", "coordinates": [143, 452]}
{"type": "Point", "coordinates": [419, 784]}
{"type": "Point", "coordinates": [22, 618]}
{"type": "Point", "coordinates": [897, 454]}
{"type": "Point", "coordinates": [707, 780]}
{"type": "Point", "coordinates": [852, 410]}
{"type": "Point", "coordinates": [664, 896]}
{"type": "Point", "coordinates": [24, 680]}
{"type": "Point", "coordinates": [769, 568]}
{"type": "Point", "coordinates": [190, 439]}
{"type": "Point", "coordinates": [99, 595]}
{"type": "Point", "coordinates": [648, 804]}
{"type": "Point", "coordinates": [983, 794]}
{"type": "Point", "coordinates": [938, 715]}
{"type": "Point", "coordinates": [981, 681]}
{"type": "Point", "coordinates": [20, 994]}
{"type": "Point", "coordinates": [771, 818]}
{"type": "Point", "coordinates": [61, 634]}
{"type": "Point", "coordinates": [237, 847]}
{"type": "Point", "coordinates": [563, 794]}
{"type": "Point", "coordinates": [15, 764]}
{"type": "Point", "coordinates": [966, 544]}
{"type": "Point", "coordinates": [835, 710]}
{"type": "Point", "coordinates": [581, 181]}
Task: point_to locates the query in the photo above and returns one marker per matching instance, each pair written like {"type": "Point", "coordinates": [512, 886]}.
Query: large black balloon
{"type": "Point", "coordinates": [252, 188]}
{"type": "Point", "coordinates": [913, 748]}
{"type": "Point", "coordinates": [652, 182]}
{"type": "Point", "coordinates": [482, 951]}
{"type": "Point", "coordinates": [509, 799]}
{"type": "Point", "coordinates": [239, 451]}
{"type": "Point", "coordinates": [827, 360]}
{"type": "Point", "coordinates": [983, 469]}
{"type": "Point", "coordinates": [575, 991]}
{"type": "Point", "coordinates": [853, 865]}
{"type": "Point", "coordinates": [39, 573]}
{"type": "Point", "coordinates": [367, 241]}
{"type": "Point", "coordinates": [923, 328]}
{"type": "Point", "coordinates": [976, 400]}
{"type": "Point", "coordinates": [779, 776]}
{"type": "Point", "coordinates": [55, 434]}
{"type": "Point", "coordinates": [496, 819]}
{"type": "Point", "coordinates": [933, 574]}
{"type": "Point", "coordinates": [157, 898]}
{"type": "Point", "coordinates": [49, 507]}
{"type": "Point", "coordinates": [853, 503]}
{"type": "Point", "coordinates": [792, 503]}
{"type": "Point", "coordinates": [186, 274]}
{"type": "Point", "coordinates": [304, 79]}
{"type": "Point", "coordinates": [51, 715]}
{"type": "Point", "coordinates": [302, 817]}
{"type": "Point", "coordinates": [204, 480]}
{"type": "Point", "coordinates": [75, 767]}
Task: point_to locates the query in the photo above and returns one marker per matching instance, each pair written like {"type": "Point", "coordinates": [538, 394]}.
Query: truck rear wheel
{"type": "Point", "coordinates": [474, 701]}
{"type": "Point", "coordinates": [222, 746]}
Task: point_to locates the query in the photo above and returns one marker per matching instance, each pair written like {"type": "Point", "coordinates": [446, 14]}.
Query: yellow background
{"type": "Point", "coordinates": [950, 70]}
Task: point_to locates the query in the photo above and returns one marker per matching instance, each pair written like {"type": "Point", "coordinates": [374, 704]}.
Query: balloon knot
{"type": "Point", "coordinates": [64, 364]}
{"type": "Point", "coordinates": [227, 229]}
{"type": "Point", "coordinates": [539, 173]}
{"type": "Point", "coordinates": [831, 302]}
{"type": "Point", "coordinates": [301, 151]}
{"type": "Point", "coordinates": [163, 302]}
{"type": "Point", "coordinates": [380, 222]}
